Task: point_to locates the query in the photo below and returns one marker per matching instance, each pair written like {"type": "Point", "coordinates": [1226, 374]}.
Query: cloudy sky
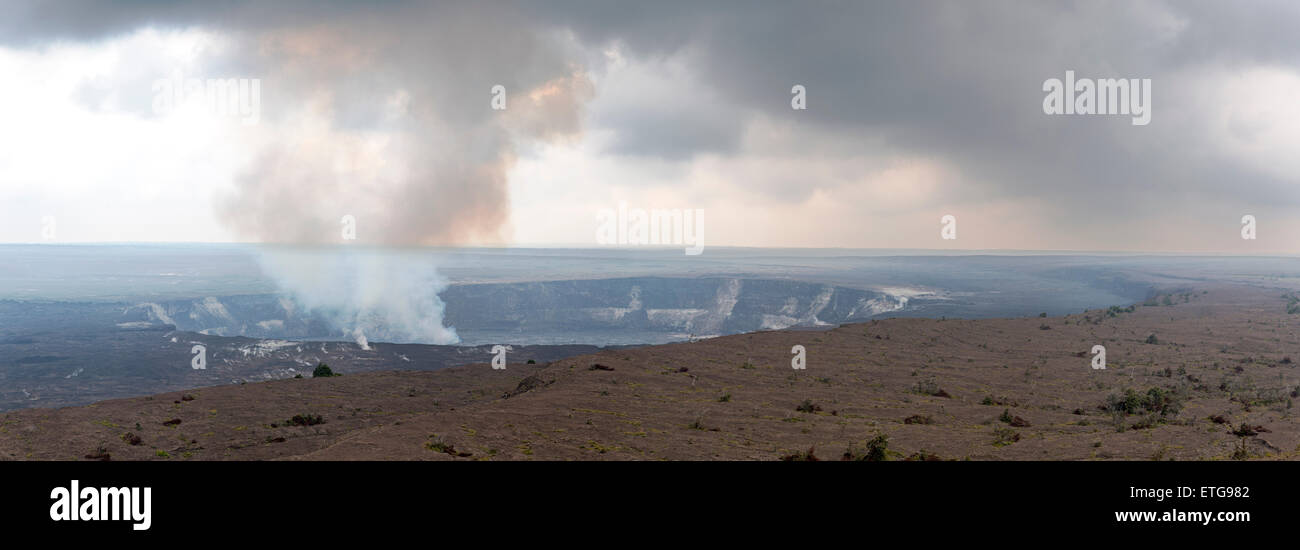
{"type": "Point", "coordinates": [915, 110]}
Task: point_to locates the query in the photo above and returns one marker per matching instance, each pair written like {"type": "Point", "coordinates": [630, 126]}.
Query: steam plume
{"type": "Point", "coordinates": [389, 120]}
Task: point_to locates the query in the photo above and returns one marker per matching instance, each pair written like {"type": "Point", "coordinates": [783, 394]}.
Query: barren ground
{"type": "Point", "coordinates": [1221, 357]}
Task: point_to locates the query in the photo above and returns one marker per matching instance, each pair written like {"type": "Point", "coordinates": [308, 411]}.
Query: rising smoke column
{"type": "Point", "coordinates": [389, 120]}
{"type": "Point", "coordinates": [389, 295]}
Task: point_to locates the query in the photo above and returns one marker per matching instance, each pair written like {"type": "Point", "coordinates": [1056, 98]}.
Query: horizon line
{"type": "Point", "coordinates": [658, 248]}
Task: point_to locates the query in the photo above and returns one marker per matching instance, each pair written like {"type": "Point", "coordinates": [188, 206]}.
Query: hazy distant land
{"type": "Point", "coordinates": [1209, 376]}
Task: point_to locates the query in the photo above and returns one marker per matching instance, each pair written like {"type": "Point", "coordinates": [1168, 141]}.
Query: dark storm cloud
{"type": "Point", "coordinates": [38, 22]}
{"type": "Point", "coordinates": [961, 81]}
{"type": "Point", "coordinates": [957, 81]}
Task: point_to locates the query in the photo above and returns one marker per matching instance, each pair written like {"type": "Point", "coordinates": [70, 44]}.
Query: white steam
{"type": "Point", "coordinates": [389, 121]}
{"type": "Point", "coordinates": [381, 294]}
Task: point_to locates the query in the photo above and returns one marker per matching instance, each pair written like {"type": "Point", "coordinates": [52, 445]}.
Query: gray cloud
{"type": "Point", "coordinates": [955, 81]}
{"type": "Point", "coordinates": [961, 81]}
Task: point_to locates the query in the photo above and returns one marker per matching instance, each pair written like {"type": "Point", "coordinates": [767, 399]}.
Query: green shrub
{"type": "Point", "coordinates": [305, 420]}
{"type": "Point", "coordinates": [1004, 436]}
{"type": "Point", "coordinates": [1240, 452]}
{"type": "Point", "coordinates": [1166, 402]}
{"type": "Point", "coordinates": [808, 406]}
{"type": "Point", "coordinates": [802, 456]}
{"type": "Point", "coordinates": [877, 450]}
{"type": "Point", "coordinates": [918, 419]}
{"type": "Point", "coordinates": [322, 371]}
{"type": "Point", "coordinates": [1154, 407]}
{"type": "Point", "coordinates": [929, 387]}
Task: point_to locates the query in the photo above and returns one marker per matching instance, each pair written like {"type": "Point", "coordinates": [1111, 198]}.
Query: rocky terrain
{"type": "Point", "coordinates": [1196, 373]}
{"type": "Point", "coordinates": [59, 354]}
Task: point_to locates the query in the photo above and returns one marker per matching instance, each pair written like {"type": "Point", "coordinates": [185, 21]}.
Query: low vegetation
{"type": "Point", "coordinates": [918, 419]}
{"type": "Point", "coordinates": [802, 456]}
{"type": "Point", "coordinates": [875, 450]}
{"type": "Point", "coordinates": [1016, 421]}
{"type": "Point", "coordinates": [929, 387]}
{"type": "Point", "coordinates": [1153, 407]}
{"type": "Point", "coordinates": [323, 371]}
{"type": "Point", "coordinates": [437, 444]}
{"type": "Point", "coordinates": [808, 407]}
{"type": "Point", "coordinates": [304, 420]}
{"type": "Point", "coordinates": [1004, 436]}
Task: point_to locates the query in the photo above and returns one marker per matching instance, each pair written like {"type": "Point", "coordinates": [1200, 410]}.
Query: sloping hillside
{"type": "Point", "coordinates": [1211, 362]}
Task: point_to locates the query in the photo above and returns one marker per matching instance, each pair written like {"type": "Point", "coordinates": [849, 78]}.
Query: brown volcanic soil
{"type": "Point", "coordinates": [1223, 351]}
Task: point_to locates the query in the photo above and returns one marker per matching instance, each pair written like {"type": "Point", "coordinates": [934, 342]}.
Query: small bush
{"type": "Point", "coordinates": [1246, 430]}
{"type": "Point", "coordinates": [877, 450]}
{"type": "Point", "coordinates": [808, 407]}
{"type": "Point", "coordinates": [929, 387]}
{"type": "Point", "coordinates": [322, 371]}
{"type": "Point", "coordinates": [698, 424]}
{"type": "Point", "coordinates": [1016, 421]}
{"type": "Point", "coordinates": [1163, 401]}
{"type": "Point", "coordinates": [305, 420]}
{"type": "Point", "coordinates": [1115, 311]}
{"type": "Point", "coordinates": [437, 444]}
{"type": "Point", "coordinates": [1240, 452]}
{"type": "Point", "coordinates": [1004, 436]}
{"type": "Point", "coordinates": [802, 456]}
{"type": "Point", "coordinates": [918, 419]}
